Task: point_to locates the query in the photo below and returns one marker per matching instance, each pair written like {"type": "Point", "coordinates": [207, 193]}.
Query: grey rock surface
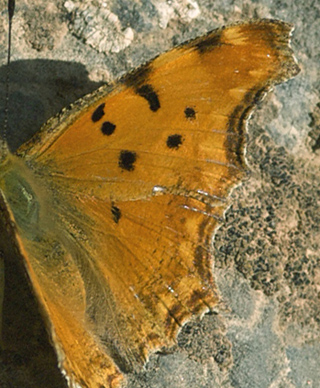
{"type": "Point", "coordinates": [265, 331]}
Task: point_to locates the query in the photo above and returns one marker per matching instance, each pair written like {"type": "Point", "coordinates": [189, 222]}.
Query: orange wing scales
{"type": "Point", "coordinates": [125, 191]}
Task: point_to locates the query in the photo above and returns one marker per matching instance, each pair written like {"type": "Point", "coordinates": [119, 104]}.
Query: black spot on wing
{"type": "Point", "coordinates": [190, 113]}
{"type": "Point", "coordinates": [98, 113]}
{"type": "Point", "coordinates": [116, 213]}
{"type": "Point", "coordinates": [127, 160]}
{"type": "Point", "coordinates": [108, 128]}
{"type": "Point", "coordinates": [174, 141]}
{"type": "Point", "coordinates": [138, 80]}
{"type": "Point", "coordinates": [209, 42]}
{"type": "Point", "coordinates": [146, 91]}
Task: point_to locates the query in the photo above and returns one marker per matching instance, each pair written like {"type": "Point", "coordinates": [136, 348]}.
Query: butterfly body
{"type": "Point", "coordinates": [114, 202]}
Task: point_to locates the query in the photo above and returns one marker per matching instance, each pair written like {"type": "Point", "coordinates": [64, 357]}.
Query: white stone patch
{"type": "Point", "coordinates": [94, 23]}
{"type": "Point", "coordinates": [184, 10]}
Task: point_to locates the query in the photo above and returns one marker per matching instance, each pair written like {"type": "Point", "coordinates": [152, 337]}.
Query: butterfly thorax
{"type": "Point", "coordinates": [18, 187]}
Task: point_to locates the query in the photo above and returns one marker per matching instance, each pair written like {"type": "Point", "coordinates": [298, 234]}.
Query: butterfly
{"type": "Point", "coordinates": [113, 204]}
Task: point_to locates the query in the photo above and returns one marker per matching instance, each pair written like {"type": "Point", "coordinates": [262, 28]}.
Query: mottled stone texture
{"type": "Point", "coordinates": [265, 332]}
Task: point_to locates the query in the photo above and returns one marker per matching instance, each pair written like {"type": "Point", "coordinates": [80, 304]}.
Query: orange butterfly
{"type": "Point", "coordinates": [114, 202]}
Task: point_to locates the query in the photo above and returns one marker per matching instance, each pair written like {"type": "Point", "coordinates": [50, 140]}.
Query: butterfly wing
{"type": "Point", "coordinates": [130, 184]}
